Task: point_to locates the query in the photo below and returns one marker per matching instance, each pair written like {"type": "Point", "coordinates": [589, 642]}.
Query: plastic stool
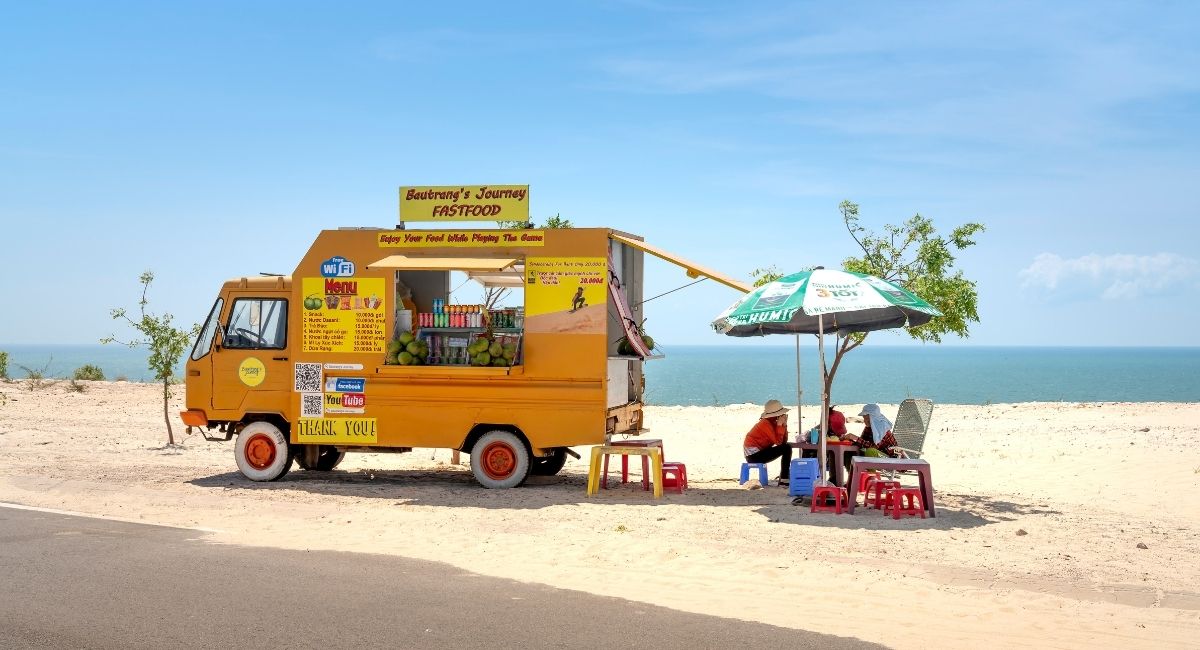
{"type": "Point", "coordinates": [820, 492]}
{"type": "Point", "coordinates": [879, 489]}
{"type": "Point", "coordinates": [762, 474]}
{"type": "Point", "coordinates": [625, 461]}
{"type": "Point", "coordinates": [674, 476]}
{"type": "Point", "coordinates": [906, 501]}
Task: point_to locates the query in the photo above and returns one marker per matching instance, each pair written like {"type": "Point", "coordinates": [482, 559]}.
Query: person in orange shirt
{"type": "Point", "coordinates": [767, 440]}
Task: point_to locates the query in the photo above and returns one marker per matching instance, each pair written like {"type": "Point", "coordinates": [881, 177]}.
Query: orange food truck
{"type": "Point", "coordinates": [358, 350]}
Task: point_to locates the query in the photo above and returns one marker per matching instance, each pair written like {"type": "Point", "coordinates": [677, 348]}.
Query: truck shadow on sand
{"type": "Point", "coordinates": [452, 487]}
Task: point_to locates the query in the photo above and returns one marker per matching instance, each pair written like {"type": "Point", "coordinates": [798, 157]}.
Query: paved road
{"type": "Point", "coordinates": [73, 582]}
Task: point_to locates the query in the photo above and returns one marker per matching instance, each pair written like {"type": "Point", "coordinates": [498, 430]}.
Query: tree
{"type": "Point", "coordinates": [551, 222]}
{"type": "Point", "coordinates": [915, 257]}
{"type": "Point", "coordinates": [165, 341]}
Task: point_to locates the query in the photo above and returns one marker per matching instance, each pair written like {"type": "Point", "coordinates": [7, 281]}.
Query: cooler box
{"type": "Point", "coordinates": [804, 473]}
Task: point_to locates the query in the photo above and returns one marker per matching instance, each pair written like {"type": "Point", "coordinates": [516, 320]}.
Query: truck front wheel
{"type": "Point", "coordinates": [262, 452]}
{"type": "Point", "coordinates": [500, 460]}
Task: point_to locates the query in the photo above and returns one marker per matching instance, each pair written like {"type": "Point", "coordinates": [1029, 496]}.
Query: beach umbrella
{"type": "Point", "coordinates": [821, 301]}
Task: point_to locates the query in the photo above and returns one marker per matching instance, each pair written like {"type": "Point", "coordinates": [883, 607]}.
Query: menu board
{"type": "Point", "coordinates": [343, 314]}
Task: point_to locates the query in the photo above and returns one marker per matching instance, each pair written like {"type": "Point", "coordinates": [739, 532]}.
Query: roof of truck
{"type": "Point", "coordinates": [260, 282]}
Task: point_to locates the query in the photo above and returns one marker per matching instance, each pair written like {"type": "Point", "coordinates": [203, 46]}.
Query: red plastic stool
{"type": "Point", "coordinates": [864, 484]}
{"type": "Point", "coordinates": [674, 476]}
{"type": "Point", "coordinates": [879, 490]}
{"type": "Point", "coordinates": [820, 492]}
{"type": "Point", "coordinates": [905, 501]}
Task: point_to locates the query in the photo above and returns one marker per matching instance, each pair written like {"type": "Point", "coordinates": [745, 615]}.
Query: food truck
{"type": "Point", "coordinates": [361, 349]}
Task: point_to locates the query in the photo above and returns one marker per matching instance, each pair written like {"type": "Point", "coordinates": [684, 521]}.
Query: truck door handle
{"type": "Point", "coordinates": [278, 358]}
{"type": "Point", "coordinates": [193, 373]}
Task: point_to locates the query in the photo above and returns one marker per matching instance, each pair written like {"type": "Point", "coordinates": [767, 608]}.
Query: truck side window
{"type": "Point", "coordinates": [204, 341]}
{"type": "Point", "coordinates": [257, 323]}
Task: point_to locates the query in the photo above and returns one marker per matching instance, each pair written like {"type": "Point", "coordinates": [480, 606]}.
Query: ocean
{"type": "Point", "coordinates": [735, 374]}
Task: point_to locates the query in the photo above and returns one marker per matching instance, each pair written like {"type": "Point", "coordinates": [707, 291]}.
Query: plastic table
{"type": "Point", "coordinates": [839, 455]}
{"type": "Point", "coordinates": [860, 464]}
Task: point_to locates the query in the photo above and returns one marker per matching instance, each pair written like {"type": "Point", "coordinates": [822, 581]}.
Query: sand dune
{"type": "Point", "coordinates": [1041, 511]}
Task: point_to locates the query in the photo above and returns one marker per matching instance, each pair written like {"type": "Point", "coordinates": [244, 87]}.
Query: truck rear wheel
{"type": "Point", "coordinates": [500, 460]}
{"type": "Point", "coordinates": [262, 452]}
{"type": "Point", "coordinates": [549, 465]}
{"type": "Point", "coordinates": [327, 459]}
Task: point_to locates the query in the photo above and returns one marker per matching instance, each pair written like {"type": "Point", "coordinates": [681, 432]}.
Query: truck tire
{"type": "Point", "coordinates": [500, 460]}
{"type": "Point", "coordinates": [262, 452]}
{"type": "Point", "coordinates": [549, 465]}
{"type": "Point", "coordinates": [327, 459]}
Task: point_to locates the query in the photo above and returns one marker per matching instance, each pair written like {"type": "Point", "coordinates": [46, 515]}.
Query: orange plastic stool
{"type": "Point", "coordinates": [674, 477]}
{"type": "Point", "coordinates": [820, 492]}
{"type": "Point", "coordinates": [905, 501]}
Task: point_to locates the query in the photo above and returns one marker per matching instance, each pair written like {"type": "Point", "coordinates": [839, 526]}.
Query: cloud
{"type": "Point", "coordinates": [1112, 277]}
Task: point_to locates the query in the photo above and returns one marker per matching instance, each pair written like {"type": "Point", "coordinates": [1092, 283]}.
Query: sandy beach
{"type": "Point", "coordinates": [1041, 511]}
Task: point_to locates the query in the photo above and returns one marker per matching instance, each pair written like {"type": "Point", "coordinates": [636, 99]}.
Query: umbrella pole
{"type": "Point", "coordinates": [824, 400]}
{"type": "Point", "coordinates": [799, 390]}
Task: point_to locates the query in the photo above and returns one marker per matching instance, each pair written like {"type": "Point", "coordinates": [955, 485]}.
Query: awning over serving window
{"type": "Point", "coordinates": [693, 270]}
{"type": "Point", "coordinates": [467, 264]}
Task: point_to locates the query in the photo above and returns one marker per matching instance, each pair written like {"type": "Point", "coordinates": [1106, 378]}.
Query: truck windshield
{"type": "Point", "coordinates": [204, 341]}
{"type": "Point", "coordinates": [257, 323]}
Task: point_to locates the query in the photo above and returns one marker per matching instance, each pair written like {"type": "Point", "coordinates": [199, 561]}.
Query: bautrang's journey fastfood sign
{"type": "Point", "coordinates": [465, 203]}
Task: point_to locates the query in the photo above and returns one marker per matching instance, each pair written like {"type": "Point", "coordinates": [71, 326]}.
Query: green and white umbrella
{"type": "Point", "coordinates": [823, 300]}
{"type": "Point", "coordinates": [820, 301]}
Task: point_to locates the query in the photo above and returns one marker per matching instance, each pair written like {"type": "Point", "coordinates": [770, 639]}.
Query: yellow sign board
{"type": "Point", "coordinates": [566, 294]}
{"type": "Point", "coordinates": [344, 315]}
{"type": "Point", "coordinates": [460, 238]}
{"type": "Point", "coordinates": [465, 203]}
{"type": "Point", "coordinates": [327, 431]}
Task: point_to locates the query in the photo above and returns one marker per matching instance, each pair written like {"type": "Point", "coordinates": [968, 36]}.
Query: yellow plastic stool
{"type": "Point", "coordinates": [655, 454]}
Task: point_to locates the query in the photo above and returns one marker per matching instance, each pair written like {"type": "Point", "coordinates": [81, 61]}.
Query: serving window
{"type": "Point", "coordinates": [460, 312]}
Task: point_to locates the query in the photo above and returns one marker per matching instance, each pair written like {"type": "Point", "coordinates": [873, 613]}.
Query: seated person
{"type": "Point", "coordinates": [767, 440]}
{"type": "Point", "coordinates": [876, 438]}
{"type": "Point", "coordinates": [836, 421]}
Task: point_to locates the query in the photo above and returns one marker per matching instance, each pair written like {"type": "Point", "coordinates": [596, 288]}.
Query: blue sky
{"type": "Point", "coordinates": [211, 140]}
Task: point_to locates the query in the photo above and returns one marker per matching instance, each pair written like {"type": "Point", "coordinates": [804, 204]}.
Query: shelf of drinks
{"type": "Point", "coordinates": [499, 330]}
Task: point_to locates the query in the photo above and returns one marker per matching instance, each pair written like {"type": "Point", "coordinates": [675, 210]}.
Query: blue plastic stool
{"type": "Point", "coordinates": [745, 476]}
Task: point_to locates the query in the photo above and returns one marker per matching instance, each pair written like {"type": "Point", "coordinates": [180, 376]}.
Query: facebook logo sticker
{"type": "Point", "coordinates": [337, 267]}
{"type": "Point", "coordinates": [345, 385]}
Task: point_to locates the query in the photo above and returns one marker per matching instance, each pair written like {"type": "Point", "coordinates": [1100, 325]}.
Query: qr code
{"type": "Point", "coordinates": [311, 405]}
{"type": "Point", "coordinates": [308, 378]}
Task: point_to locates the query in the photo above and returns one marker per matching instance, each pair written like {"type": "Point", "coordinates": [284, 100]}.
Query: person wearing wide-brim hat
{"type": "Point", "coordinates": [767, 440]}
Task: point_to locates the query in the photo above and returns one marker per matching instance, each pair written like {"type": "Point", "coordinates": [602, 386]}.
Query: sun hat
{"type": "Point", "coordinates": [773, 409]}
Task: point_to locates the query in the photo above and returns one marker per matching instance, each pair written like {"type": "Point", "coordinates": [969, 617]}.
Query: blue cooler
{"type": "Point", "coordinates": [804, 474]}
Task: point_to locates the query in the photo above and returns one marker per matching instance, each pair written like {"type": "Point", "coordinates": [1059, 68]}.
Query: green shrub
{"type": "Point", "coordinates": [89, 372]}
{"type": "Point", "coordinates": [3, 365]}
{"type": "Point", "coordinates": [77, 387]}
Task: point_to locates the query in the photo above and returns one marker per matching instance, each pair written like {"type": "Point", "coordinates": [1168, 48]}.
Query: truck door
{"type": "Point", "coordinates": [251, 359]}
